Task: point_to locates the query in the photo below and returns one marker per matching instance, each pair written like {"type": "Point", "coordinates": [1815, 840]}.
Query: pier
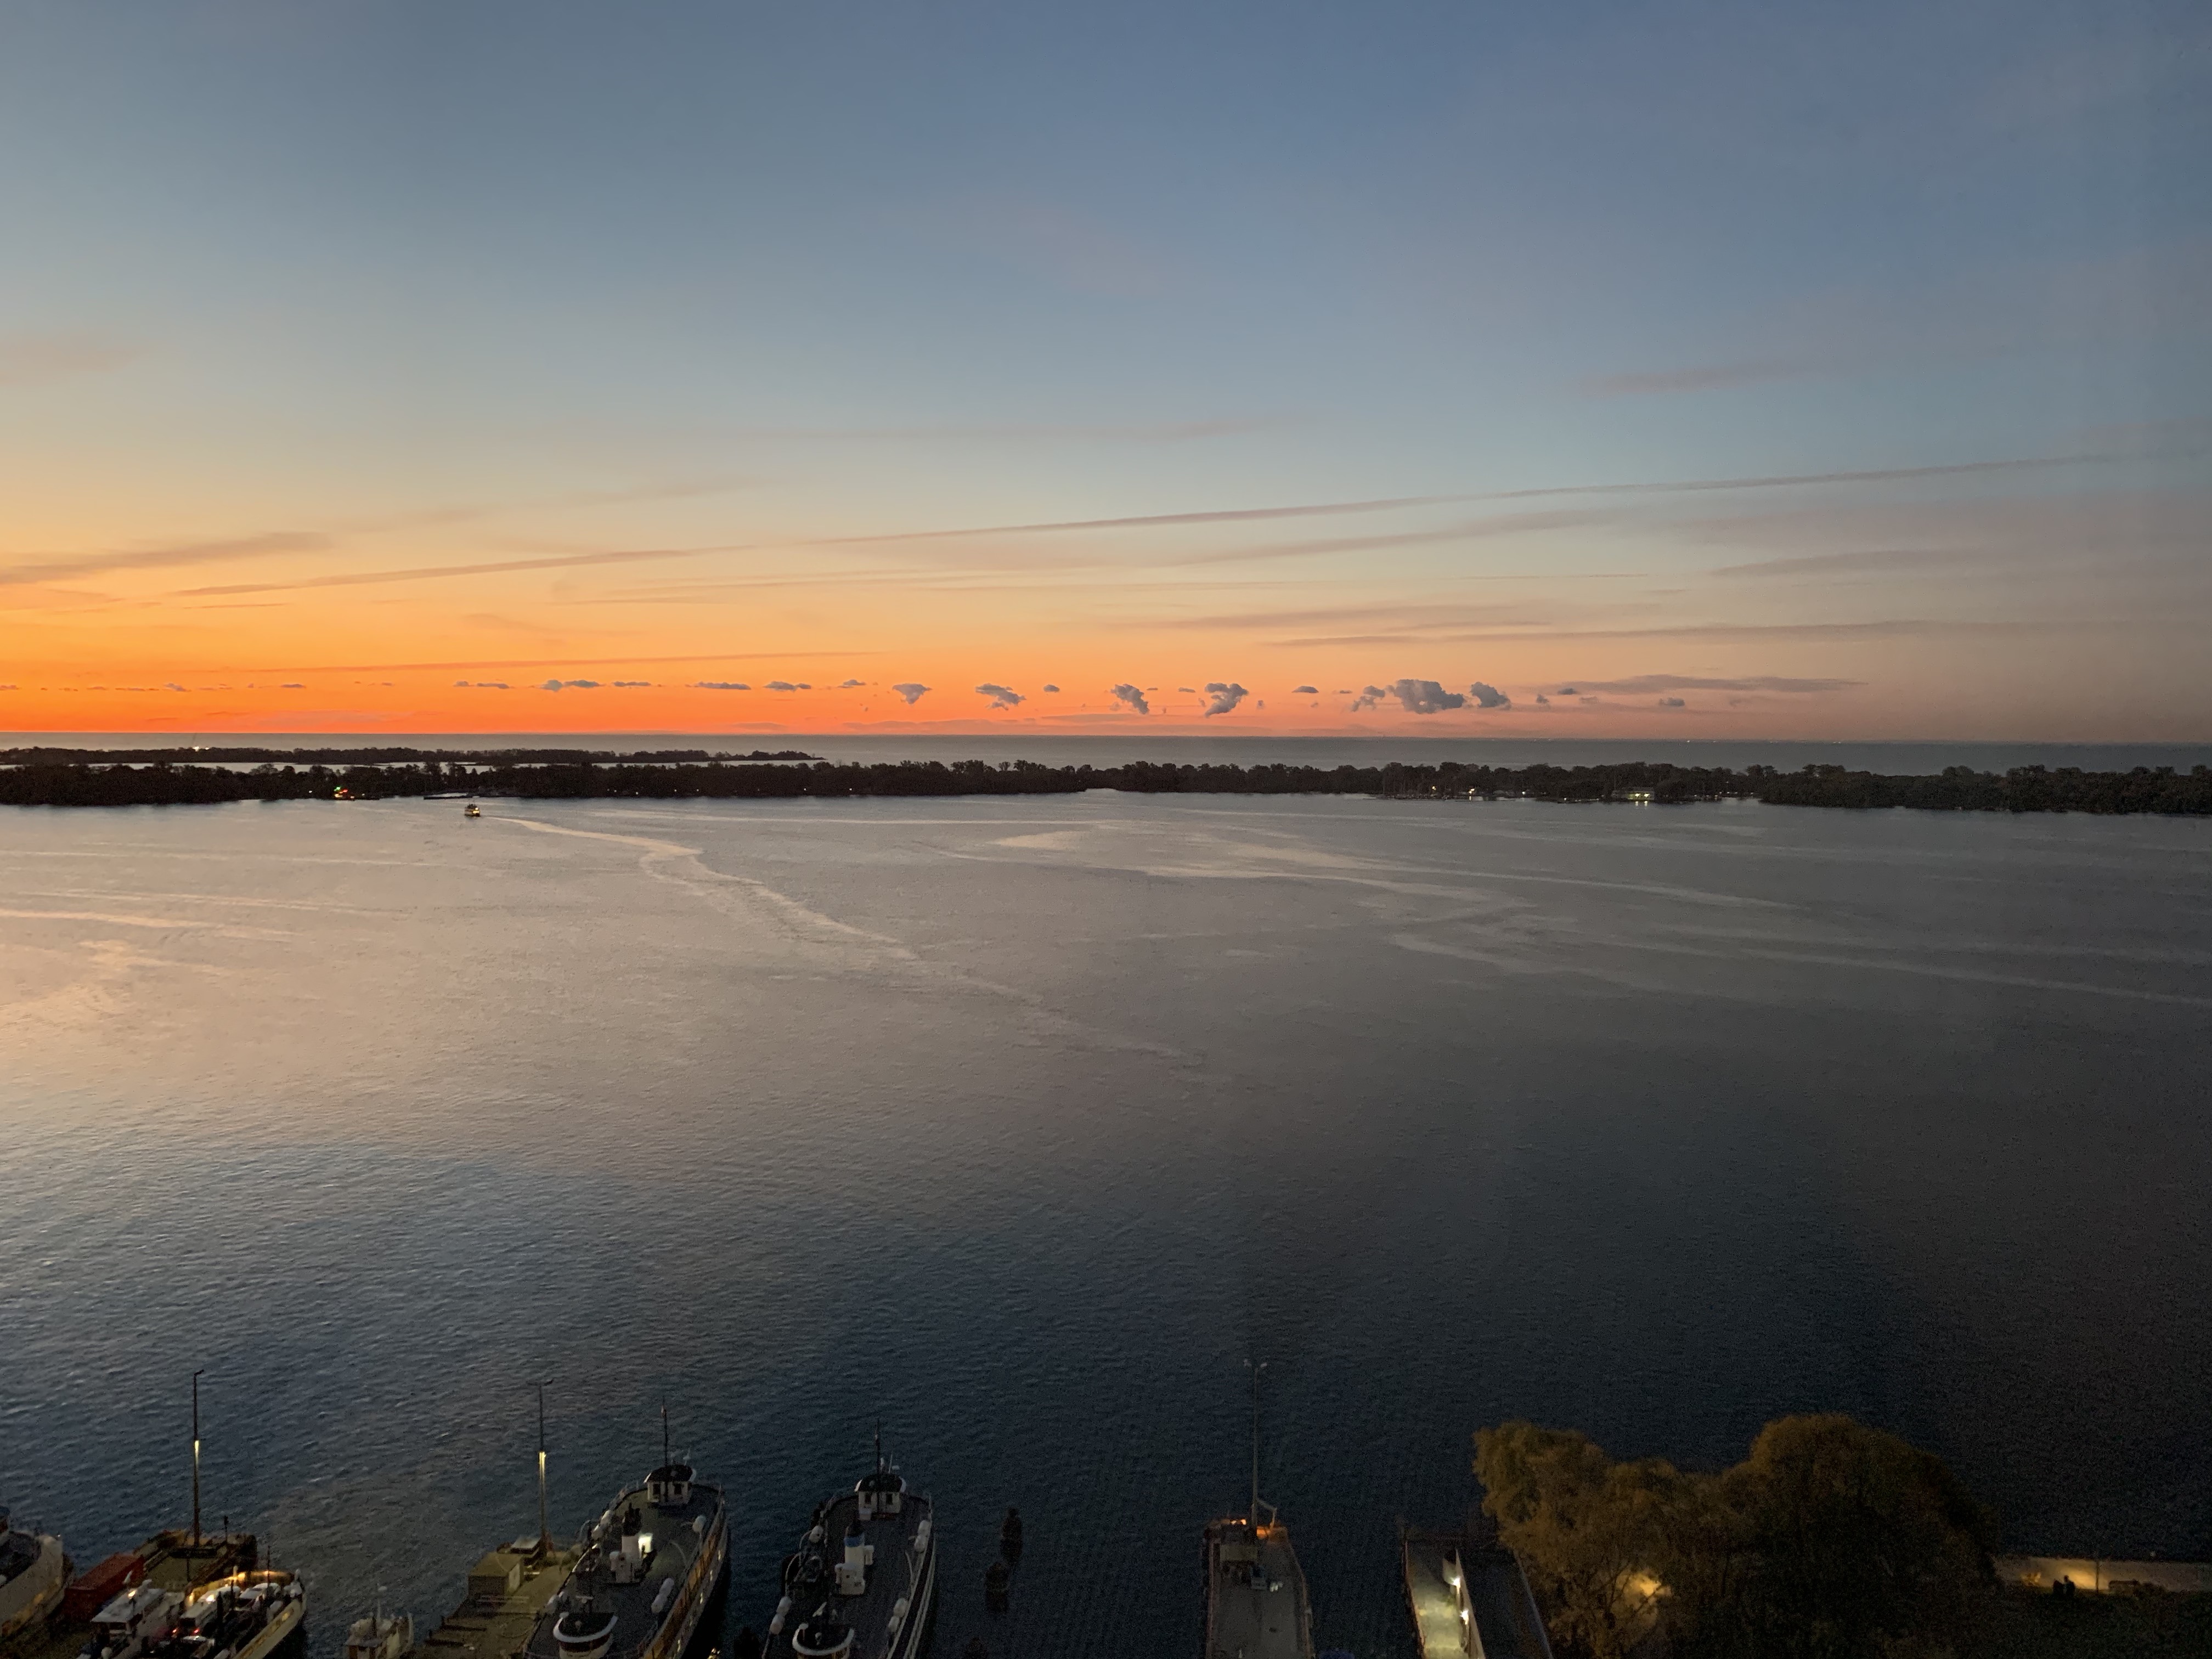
{"type": "Point", "coordinates": [508, 1588]}
{"type": "Point", "coordinates": [1469, 1599]}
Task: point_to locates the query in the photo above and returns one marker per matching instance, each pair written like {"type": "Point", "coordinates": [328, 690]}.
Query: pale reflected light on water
{"type": "Point", "coordinates": [1021, 1123]}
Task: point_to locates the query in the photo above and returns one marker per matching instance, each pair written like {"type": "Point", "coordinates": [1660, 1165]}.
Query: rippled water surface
{"type": "Point", "coordinates": [1020, 1124]}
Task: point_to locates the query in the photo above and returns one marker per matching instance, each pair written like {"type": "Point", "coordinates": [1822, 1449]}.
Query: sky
{"type": "Point", "coordinates": [1711, 369]}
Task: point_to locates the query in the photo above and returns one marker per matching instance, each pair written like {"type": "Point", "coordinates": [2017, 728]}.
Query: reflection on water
{"type": "Point", "coordinates": [1019, 1124]}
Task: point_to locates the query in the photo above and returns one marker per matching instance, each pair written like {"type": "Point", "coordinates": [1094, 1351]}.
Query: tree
{"type": "Point", "coordinates": [1832, 1540]}
{"type": "Point", "coordinates": [1847, 1541]}
{"type": "Point", "coordinates": [1586, 1529]}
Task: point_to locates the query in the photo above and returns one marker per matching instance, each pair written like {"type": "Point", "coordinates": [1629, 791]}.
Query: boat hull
{"type": "Point", "coordinates": [288, 1618]}
{"type": "Point", "coordinates": [674, 1639]}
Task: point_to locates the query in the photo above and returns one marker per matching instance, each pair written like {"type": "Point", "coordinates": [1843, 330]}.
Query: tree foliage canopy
{"type": "Point", "coordinates": [74, 777]}
{"type": "Point", "coordinates": [1830, 1541]}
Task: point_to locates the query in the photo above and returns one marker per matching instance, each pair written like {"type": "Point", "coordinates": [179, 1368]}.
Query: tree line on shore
{"type": "Point", "coordinates": [81, 780]}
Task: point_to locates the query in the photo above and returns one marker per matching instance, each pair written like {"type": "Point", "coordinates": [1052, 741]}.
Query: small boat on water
{"type": "Point", "coordinates": [472, 810]}
{"type": "Point", "coordinates": [863, 1583]}
{"type": "Point", "coordinates": [246, 1615]}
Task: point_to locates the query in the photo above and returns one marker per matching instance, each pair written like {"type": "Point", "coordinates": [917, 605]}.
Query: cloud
{"type": "Point", "coordinates": [1696, 377]}
{"type": "Point", "coordinates": [846, 685]}
{"type": "Point", "coordinates": [1488, 697]}
{"type": "Point", "coordinates": [781, 685]}
{"type": "Point", "coordinates": [1886, 558]}
{"type": "Point", "coordinates": [580, 685]}
{"type": "Point", "coordinates": [1303, 691]}
{"type": "Point", "coordinates": [1221, 699]}
{"type": "Point", "coordinates": [1146, 520]}
{"type": "Point", "coordinates": [1542, 702]}
{"type": "Point", "coordinates": [1052, 688]}
{"type": "Point", "coordinates": [1187, 690]}
{"type": "Point", "coordinates": [1039, 431]}
{"type": "Point", "coordinates": [1692, 683]}
{"type": "Point", "coordinates": [632, 684]}
{"type": "Point", "coordinates": [912, 691]}
{"type": "Point", "coordinates": [1002, 696]}
{"type": "Point", "coordinates": [1424, 696]}
{"type": "Point", "coordinates": [152, 558]}
{"type": "Point", "coordinates": [720, 685]}
{"type": "Point", "coordinates": [1368, 697]}
{"type": "Point", "coordinates": [1673, 703]}
{"type": "Point", "coordinates": [622, 555]}
{"type": "Point", "coordinates": [38, 359]}
{"type": "Point", "coordinates": [300, 685]}
{"type": "Point", "coordinates": [1504, 525]}
{"type": "Point", "coordinates": [428, 572]}
{"type": "Point", "coordinates": [1135, 698]}
{"type": "Point", "coordinates": [488, 685]}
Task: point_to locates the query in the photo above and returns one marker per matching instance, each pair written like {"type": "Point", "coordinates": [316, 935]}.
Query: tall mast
{"type": "Point", "coordinates": [544, 1530]}
{"type": "Point", "coordinates": [196, 1461]}
{"type": "Point", "coordinates": [1256, 1369]}
{"type": "Point", "coordinates": [664, 1459]}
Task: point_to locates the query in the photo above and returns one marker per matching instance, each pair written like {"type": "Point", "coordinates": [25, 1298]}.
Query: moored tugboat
{"type": "Point", "coordinates": [863, 1584]}
{"type": "Point", "coordinates": [648, 1569]}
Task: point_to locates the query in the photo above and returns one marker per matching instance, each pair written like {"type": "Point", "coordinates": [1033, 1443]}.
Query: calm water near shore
{"type": "Point", "coordinates": [1020, 1123]}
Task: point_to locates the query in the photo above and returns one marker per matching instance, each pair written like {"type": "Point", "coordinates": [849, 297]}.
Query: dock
{"type": "Point", "coordinates": [2097, 1576]}
{"type": "Point", "coordinates": [1469, 1599]}
{"type": "Point", "coordinates": [508, 1588]}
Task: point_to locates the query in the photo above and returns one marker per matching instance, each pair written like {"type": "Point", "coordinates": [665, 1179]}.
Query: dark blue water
{"type": "Point", "coordinates": [1021, 1124]}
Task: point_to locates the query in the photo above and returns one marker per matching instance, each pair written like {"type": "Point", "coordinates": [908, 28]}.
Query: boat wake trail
{"type": "Point", "coordinates": [828, 944]}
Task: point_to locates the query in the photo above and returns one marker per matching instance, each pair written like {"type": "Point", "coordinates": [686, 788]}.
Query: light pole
{"type": "Point", "coordinates": [545, 1530]}
{"type": "Point", "coordinates": [196, 1462]}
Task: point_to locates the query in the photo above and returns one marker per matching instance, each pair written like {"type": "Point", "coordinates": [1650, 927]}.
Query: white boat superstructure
{"type": "Point", "coordinates": [381, 1636]}
{"type": "Point", "coordinates": [133, 1622]}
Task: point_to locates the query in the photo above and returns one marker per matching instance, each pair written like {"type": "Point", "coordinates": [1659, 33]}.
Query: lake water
{"type": "Point", "coordinates": [1021, 1124]}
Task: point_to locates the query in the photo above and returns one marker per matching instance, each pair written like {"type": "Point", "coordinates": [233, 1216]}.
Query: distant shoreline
{"type": "Point", "coordinates": [55, 777]}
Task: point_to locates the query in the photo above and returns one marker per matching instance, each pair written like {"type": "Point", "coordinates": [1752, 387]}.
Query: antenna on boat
{"type": "Point", "coordinates": [1257, 1366]}
{"type": "Point", "coordinates": [196, 1462]}
{"type": "Point", "coordinates": [664, 1459]}
{"type": "Point", "coordinates": [880, 1443]}
{"type": "Point", "coordinates": [544, 1529]}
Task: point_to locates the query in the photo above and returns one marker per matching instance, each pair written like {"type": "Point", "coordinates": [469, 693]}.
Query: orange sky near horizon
{"type": "Point", "coordinates": [1635, 616]}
